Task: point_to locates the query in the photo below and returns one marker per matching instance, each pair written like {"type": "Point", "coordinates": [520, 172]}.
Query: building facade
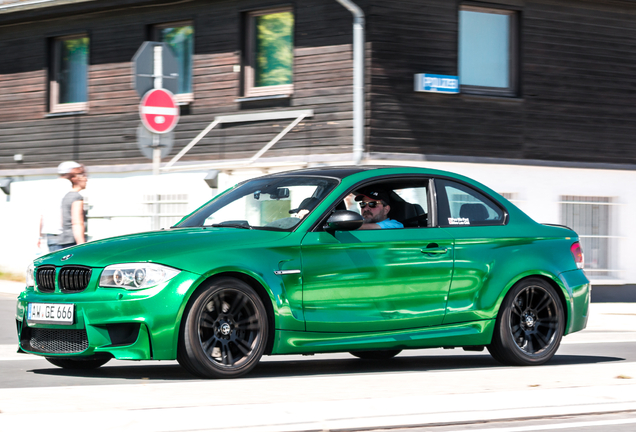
{"type": "Point", "coordinates": [544, 111]}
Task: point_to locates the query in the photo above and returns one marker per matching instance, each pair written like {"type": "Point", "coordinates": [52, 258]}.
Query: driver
{"type": "Point", "coordinates": [375, 208]}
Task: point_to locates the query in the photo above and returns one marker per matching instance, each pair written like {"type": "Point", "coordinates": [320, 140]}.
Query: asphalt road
{"type": "Point", "coordinates": [340, 392]}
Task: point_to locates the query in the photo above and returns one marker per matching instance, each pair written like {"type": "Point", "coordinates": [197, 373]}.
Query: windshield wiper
{"type": "Point", "coordinates": [233, 224]}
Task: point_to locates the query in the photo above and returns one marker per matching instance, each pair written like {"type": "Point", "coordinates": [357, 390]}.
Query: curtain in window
{"type": "Point", "coordinates": [274, 49]}
{"type": "Point", "coordinates": [181, 40]}
{"type": "Point", "coordinates": [73, 70]}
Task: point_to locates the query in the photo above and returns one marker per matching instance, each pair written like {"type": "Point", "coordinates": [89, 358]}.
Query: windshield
{"type": "Point", "coordinates": [276, 203]}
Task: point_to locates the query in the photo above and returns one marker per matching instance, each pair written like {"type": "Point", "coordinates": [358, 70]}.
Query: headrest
{"type": "Point", "coordinates": [474, 212]}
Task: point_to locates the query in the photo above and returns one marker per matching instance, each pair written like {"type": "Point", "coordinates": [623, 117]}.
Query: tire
{"type": "Point", "coordinates": [224, 330]}
{"type": "Point", "coordinates": [78, 364]}
{"type": "Point", "coordinates": [529, 326]}
{"type": "Point", "coordinates": [376, 355]}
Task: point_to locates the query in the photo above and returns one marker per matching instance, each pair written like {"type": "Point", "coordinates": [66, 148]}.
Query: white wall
{"type": "Point", "coordinates": [108, 195]}
{"type": "Point", "coordinates": [537, 190]}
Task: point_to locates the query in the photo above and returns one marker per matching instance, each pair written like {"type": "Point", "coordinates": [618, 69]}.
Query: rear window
{"type": "Point", "coordinates": [461, 205]}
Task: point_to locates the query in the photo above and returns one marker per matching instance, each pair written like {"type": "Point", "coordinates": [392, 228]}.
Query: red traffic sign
{"type": "Point", "coordinates": [159, 111]}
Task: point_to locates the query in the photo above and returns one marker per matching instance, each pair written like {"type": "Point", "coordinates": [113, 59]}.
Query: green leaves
{"type": "Point", "coordinates": [274, 49]}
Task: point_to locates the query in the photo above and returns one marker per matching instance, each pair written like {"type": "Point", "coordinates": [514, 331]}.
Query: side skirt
{"type": "Point", "coordinates": [451, 335]}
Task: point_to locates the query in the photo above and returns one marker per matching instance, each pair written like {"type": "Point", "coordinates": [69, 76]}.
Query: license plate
{"type": "Point", "coordinates": [51, 313]}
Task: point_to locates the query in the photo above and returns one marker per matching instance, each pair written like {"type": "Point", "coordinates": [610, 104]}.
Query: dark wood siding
{"type": "Point", "coordinates": [106, 134]}
{"type": "Point", "coordinates": [577, 100]}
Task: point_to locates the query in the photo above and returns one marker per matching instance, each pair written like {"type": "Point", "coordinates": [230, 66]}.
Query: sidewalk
{"type": "Point", "coordinates": [9, 287]}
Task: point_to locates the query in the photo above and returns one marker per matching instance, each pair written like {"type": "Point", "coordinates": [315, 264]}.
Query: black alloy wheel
{"type": "Point", "coordinates": [78, 364]}
{"type": "Point", "coordinates": [530, 325]}
{"type": "Point", "coordinates": [376, 355]}
{"type": "Point", "coordinates": [225, 330]}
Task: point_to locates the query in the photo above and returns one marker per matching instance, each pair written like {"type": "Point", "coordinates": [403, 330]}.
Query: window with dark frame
{"type": "Point", "coordinates": [488, 51]}
{"type": "Point", "coordinates": [68, 81]}
{"type": "Point", "coordinates": [269, 58]}
{"type": "Point", "coordinates": [460, 205]}
{"type": "Point", "coordinates": [179, 36]}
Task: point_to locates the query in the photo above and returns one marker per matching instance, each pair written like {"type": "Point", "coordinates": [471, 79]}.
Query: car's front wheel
{"type": "Point", "coordinates": [529, 326]}
{"type": "Point", "coordinates": [224, 332]}
{"type": "Point", "coordinates": [78, 364]}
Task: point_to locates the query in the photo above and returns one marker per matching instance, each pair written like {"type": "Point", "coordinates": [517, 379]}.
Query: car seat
{"type": "Point", "coordinates": [410, 215]}
{"type": "Point", "coordinates": [306, 204]}
{"type": "Point", "coordinates": [474, 212]}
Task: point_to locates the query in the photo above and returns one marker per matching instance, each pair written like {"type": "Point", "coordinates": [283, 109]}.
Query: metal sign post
{"type": "Point", "coordinates": [158, 76]}
{"type": "Point", "coordinates": [155, 69]}
{"type": "Point", "coordinates": [145, 73]}
{"type": "Point", "coordinates": [156, 154]}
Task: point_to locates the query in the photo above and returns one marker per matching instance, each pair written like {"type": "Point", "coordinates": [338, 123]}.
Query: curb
{"type": "Point", "coordinates": [10, 287]}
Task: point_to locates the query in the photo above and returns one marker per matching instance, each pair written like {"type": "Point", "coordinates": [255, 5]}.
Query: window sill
{"type": "Point", "coordinates": [498, 98]}
{"type": "Point", "coordinates": [71, 108]}
{"type": "Point", "coordinates": [262, 98]}
{"type": "Point", "coordinates": [184, 98]}
{"type": "Point", "coordinates": [65, 114]}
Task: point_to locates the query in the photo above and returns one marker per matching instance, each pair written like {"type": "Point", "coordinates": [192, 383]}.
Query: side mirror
{"type": "Point", "coordinates": [344, 220]}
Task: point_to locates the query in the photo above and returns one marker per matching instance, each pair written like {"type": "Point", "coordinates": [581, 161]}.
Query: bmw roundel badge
{"type": "Point", "coordinates": [65, 257]}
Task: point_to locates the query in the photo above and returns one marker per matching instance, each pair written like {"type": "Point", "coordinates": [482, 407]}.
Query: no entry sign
{"type": "Point", "coordinates": [159, 111]}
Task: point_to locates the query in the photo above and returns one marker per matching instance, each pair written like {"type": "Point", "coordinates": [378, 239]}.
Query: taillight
{"type": "Point", "coordinates": [577, 253]}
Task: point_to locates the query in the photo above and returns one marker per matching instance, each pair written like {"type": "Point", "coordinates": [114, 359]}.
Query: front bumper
{"type": "Point", "coordinates": [112, 322]}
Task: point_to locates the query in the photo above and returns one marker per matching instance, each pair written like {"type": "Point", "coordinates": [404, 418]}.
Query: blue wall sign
{"type": "Point", "coordinates": [436, 83]}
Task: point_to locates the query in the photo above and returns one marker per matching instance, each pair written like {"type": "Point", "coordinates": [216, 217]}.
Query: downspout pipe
{"type": "Point", "coordinates": [358, 79]}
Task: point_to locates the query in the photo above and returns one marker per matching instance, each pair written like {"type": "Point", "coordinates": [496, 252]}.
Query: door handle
{"type": "Point", "coordinates": [435, 251]}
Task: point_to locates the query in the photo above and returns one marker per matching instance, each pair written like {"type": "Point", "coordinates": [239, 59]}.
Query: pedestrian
{"type": "Point", "coordinates": [51, 216]}
{"type": "Point", "coordinates": [73, 213]}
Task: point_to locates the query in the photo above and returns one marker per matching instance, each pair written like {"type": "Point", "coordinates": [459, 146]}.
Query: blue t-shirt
{"type": "Point", "coordinates": [390, 223]}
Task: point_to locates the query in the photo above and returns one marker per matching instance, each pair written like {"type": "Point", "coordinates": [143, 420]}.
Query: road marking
{"type": "Point", "coordinates": [597, 341]}
{"type": "Point", "coordinates": [574, 425]}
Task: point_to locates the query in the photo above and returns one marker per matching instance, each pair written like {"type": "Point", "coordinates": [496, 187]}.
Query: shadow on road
{"type": "Point", "coordinates": [272, 367]}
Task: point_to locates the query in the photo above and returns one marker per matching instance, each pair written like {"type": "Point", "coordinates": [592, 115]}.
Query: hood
{"type": "Point", "coordinates": [177, 248]}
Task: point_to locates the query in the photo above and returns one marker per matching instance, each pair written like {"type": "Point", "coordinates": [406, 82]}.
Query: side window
{"type": "Point", "coordinates": [269, 55]}
{"type": "Point", "coordinates": [414, 209]}
{"type": "Point", "coordinates": [408, 200]}
{"type": "Point", "coordinates": [460, 205]}
{"type": "Point", "coordinates": [69, 74]}
{"type": "Point", "coordinates": [488, 46]}
{"type": "Point", "coordinates": [180, 38]}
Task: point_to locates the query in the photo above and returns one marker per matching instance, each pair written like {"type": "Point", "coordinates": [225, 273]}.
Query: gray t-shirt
{"type": "Point", "coordinates": [67, 228]}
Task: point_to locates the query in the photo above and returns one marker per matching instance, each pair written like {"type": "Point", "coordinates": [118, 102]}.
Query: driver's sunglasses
{"type": "Point", "coordinates": [371, 204]}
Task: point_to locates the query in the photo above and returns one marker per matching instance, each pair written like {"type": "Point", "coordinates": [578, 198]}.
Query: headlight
{"type": "Point", "coordinates": [30, 276]}
{"type": "Point", "coordinates": [135, 276]}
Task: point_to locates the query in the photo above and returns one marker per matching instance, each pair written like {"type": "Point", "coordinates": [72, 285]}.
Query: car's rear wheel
{"type": "Point", "coordinates": [78, 364]}
{"type": "Point", "coordinates": [529, 326]}
{"type": "Point", "coordinates": [376, 355]}
{"type": "Point", "coordinates": [224, 332]}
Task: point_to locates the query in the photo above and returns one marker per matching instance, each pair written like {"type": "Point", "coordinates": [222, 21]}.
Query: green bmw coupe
{"type": "Point", "coordinates": [279, 265]}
